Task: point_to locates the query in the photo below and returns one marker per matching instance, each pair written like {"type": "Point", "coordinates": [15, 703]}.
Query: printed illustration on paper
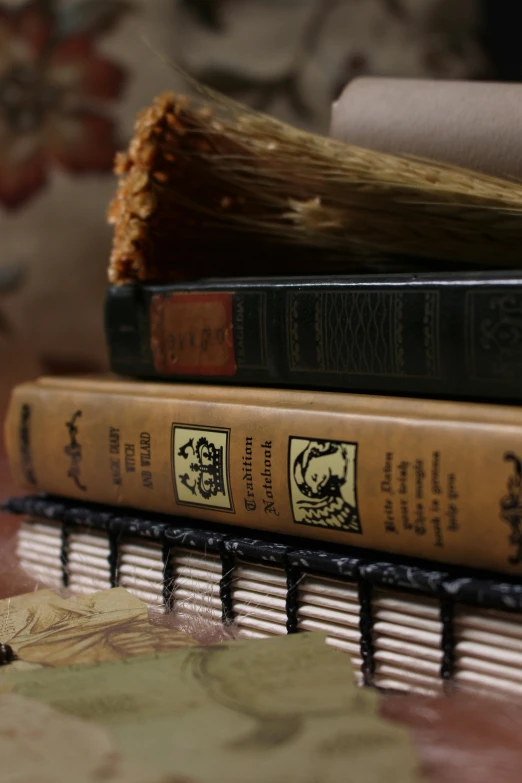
{"type": "Point", "coordinates": [200, 467]}
{"type": "Point", "coordinates": [322, 480]}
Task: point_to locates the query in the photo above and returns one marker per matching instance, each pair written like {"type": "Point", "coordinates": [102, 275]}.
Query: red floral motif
{"type": "Point", "coordinates": [52, 90]}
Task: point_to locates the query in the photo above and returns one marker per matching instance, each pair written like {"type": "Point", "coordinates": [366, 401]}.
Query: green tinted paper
{"type": "Point", "coordinates": [42, 745]}
{"type": "Point", "coordinates": [281, 710]}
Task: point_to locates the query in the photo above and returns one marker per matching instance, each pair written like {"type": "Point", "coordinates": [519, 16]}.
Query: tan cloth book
{"type": "Point", "coordinates": [424, 478]}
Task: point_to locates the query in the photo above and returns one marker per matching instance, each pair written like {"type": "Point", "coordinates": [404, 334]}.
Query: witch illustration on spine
{"type": "Point", "coordinates": [323, 484]}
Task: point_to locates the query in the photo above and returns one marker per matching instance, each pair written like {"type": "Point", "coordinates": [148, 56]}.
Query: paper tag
{"type": "Point", "coordinates": [193, 334]}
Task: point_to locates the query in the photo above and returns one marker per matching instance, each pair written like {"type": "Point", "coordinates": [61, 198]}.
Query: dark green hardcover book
{"type": "Point", "coordinates": [456, 335]}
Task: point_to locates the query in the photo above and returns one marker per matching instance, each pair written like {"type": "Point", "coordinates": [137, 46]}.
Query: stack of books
{"type": "Point", "coordinates": [341, 454]}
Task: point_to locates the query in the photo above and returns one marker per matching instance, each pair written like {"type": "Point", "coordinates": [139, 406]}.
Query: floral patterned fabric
{"type": "Point", "coordinates": [73, 75]}
{"type": "Point", "coordinates": [293, 57]}
{"type": "Point", "coordinates": [52, 80]}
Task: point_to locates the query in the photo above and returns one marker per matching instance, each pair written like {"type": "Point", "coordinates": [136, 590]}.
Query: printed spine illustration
{"type": "Point", "coordinates": [437, 480]}
{"type": "Point", "coordinates": [322, 481]}
{"type": "Point", "coordinates": [455, 337]}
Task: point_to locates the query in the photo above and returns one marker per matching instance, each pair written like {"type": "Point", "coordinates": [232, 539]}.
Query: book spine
{"type": "Point", "coordinates": [451, 338]}
{"type": "Point", "coordinates": [436, 480]}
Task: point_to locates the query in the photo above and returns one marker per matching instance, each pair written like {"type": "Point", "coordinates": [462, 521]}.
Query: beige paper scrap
{"type": "Point", "coordinates": [45, 629]}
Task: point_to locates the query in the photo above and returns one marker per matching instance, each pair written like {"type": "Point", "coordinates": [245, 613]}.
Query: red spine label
{"type": "Point", "coordinates": [193, 334]}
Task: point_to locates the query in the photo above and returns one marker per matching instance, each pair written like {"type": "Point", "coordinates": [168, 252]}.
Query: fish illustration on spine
{"type": "Point", "coordinates": [322, 478]}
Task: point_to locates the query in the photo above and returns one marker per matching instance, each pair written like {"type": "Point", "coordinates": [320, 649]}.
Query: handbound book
{"type": "Point", "coordinates": [407, 625]}
{"type": "Point", "coordinates": [437, 335]}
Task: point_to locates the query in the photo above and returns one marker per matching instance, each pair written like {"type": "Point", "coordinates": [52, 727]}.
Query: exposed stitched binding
{"type": "Point", "coordinates": [113, 558]}
{"type": "Point", "coordinates": [168, 577]}
{"type": "Point", "coordinates": [293, 577]}
{"type": "Point", "coordinates": [64, 553]}
{"type": "Point", "coordinates": [447, 614]}
{"type": "Point", "coordinates": [366, 629]}
{"type": "Point", "coordinates": [228, 563]}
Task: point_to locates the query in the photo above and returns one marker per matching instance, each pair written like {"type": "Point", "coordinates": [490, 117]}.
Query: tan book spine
{"type": "Point", "coordinates": [438, 480]}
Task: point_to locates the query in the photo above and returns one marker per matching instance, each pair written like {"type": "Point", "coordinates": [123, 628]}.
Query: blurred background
{"type": "Point", "coordinates": [74, 73]}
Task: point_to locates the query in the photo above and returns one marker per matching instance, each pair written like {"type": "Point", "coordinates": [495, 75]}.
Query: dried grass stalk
{"type": "Point", "coordinates": [218, 189]}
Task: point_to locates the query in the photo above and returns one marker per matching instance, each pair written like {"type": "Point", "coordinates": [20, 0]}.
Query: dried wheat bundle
{"type": "Point", "coordinates": [222, 190]}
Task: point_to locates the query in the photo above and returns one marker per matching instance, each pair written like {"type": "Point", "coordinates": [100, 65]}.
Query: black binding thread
{"type": "Point", "coordinates": [366, 629]}
{"type": "Point", "coordinates": [447, 614]}
{"type": "Point", "coordinates": [293, 578]}
{"type": "Point", "coordinates": [228, 564]}
{"type": "Point", "coordinates": [64, 553]}
{"type": "Point", "coordinates": [168, 578]}
{"type": "Point", "coordinates": [113, 557]}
